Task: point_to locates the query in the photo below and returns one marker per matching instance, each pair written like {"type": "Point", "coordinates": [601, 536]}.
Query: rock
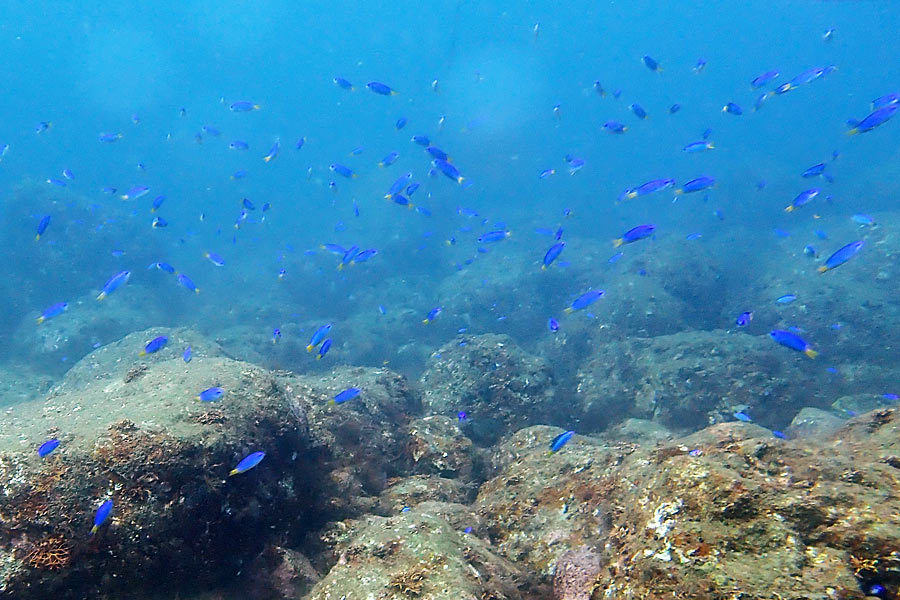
{"type": "Point", "coordinates": [638, 431]}
{"type": "Point", "coordinates": [163, 457]}
{"type": "Point", "coordinates": [576, 574]}
{"type": "Point", "coordinates": [280, 574]}
{"type": "Point", "coordinates": [418, 554]}
{"type": "Point", "coordinates": [689, 380]}
{"type": "Point", "coordinates": [813, 422]}
{"type": "Point", "coordinates": [359, 445]}
{"type": "Point", "coordinates": [438, 446]}
{"type": "Point", "coordinates": [499, 387]}
{"type": "Point", "coordinates": [410, 491]}
{"type": "Point", "coordinates": [729, 509]}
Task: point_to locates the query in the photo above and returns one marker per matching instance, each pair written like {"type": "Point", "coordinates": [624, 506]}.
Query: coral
{"type": "Point", "coordinates": [50, 553]}
{"type": "Point", "coordinates": [411, 581]}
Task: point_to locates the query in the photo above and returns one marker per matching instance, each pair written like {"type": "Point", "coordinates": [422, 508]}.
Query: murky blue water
{"type": "Point", "coordinates": [482, 82]}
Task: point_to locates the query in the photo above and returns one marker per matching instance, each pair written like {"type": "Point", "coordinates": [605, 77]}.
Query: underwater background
{"type": "Point", "coordinates": [635, 221]}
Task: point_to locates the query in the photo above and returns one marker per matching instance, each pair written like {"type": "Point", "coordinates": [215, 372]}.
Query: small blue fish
{"type": "Point", "coordinates": [102, 514]}
{"type": "Point", "coordinates": [135, 192]}
{"type": "Point", "coordinates": [733, 109]}
{"type": "Point", "coordinates": [117, 280]}
{"type": "Point", "coordinates": [650, 187]}
{"type": "Point", "coordinates": [560, 441]}
{"type": "Point", "coordinates": [243, 106]}
{"type": "Point", "coordinates": [494, 236]}
{"type": "Point", "coordinates": [863, 219]}
{"type": "Point", "coordinates": [793, 341]}
{"type": "Point", "coordinates": [674, 108]}
{"type": "Point", "coordinates": [323, 350]}
{"type": "Point", "coordinates": [155, 345]}
{"type": "Point", "coordinates": [432, 315]}
{"type": "Point", "coordinates": [273, 151]}
{"type": "Point", "coordinates": [696, 185]}
{"type": "Point", "coordinates": [401, 123]}
{"type": "Point", "coordinates": [448, 169]}
{"type": "Point", "coordinates": [188, 283]}
{"type": "Point", "coordinates": [650, 63]}
{"type": "Point", "coordinates": [317, 337]}
{"type": "Point", "coordinates": [763, 79]}
{"type": "Point", "coordinates": [48, 447]}
{"type": "Point", "coordinates": [779, 435]}
{"type": "Point", "coordinates": [873, 120]}
{"type": "Point", "coordinates": [343, 84]}
{"type": "Point", "coordinates": [742, 416]}
{"type": "Point", "coordinates": [239, 145]}
{"type": "Point", "coordinates": [389, 159]}
{"type": "Point", "coordinates": [803, 198]}
{"type": "Point", "coordinates": [552, 254]}
{"type": "Point", "coordinates": [638, 110]}
{"type": "Point", "coordinates": [159, 222]}
{"type": "Point", "coordinates": [381, 89]}
{"type": "Point", "coordinates": [210, 394]}
{"type": "Point", "coordinates": [53, 311]}
{"type": "Point", "coordinates": [42, 227]}
{"type": "Point", "coordinates": [786, 299]}
{"type": "Point", "coordinates": [108, 138]}
{"type": "Point", "coordinates": [247, 463]}
{"type": "Point", "coordinates": [343, 171]}
{"type": "Point", "coordinates": [699, 146]}
{"type": "Point", "coordinates": [398, 185]}
{"type": "Point", "coordinates": [276, 335]}
{"type": "Point", "coordinates": [615, 127]}
{"type": "Point", "coordinates": [635, 234]}
{"type": "Point", "coordinates": [841, 256]}
{"type": "Point", "coordinates": [585, 300]}
{"type": "Point", "coordinates": [348, 394]}
{"type": "Point", "coordinates": [744, 319]}
{"type": "Point", "coordinates": [553, 325]}
{"type": "Point", "coordinates": [187, 355]}
{"type": "Point", "coordinates": [157, 202]}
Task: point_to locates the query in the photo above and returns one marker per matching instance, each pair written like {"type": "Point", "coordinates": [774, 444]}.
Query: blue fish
{"type": "Point", "coordinates": [553, 325]}
{"type": "Point", "coordinates": [841, 256]}
{"type": "Point", "coordinates": [210, 394]}
{"type": "Point", "coordinates": [432, 315]}
{"type": "Point", "coordinates": [744, 319]}
{"type": "Point", "coordinates": [793, 341]}
{"type": "Point", "coordinates": [381, 89]}
{"type": "Point", "coordinates": [47, 447]}
{"type": "Point", "coordinates": [188, 283]}
{"type": "Point", "coordinates": [560, 441]}
{"type": "Point", "coordinates": [247, 463]}
{"type": "Point", "coordinates": [42, 227]}
{"type": "Point", "coordinates": [323, 350]}
{"type": "Point", "coordinates": [243, 106]}
{"type": "Point", "coordinates": [493, 236]}
{"type": "Point", "coordinates": [742, 416]}
{"type": "Point", "coordinates": [585, 300]}
{"type": "Point", "coordinates": [53, 311]}
{"type": "Point", "coordinates": [117, 280]}
{"type": "Point", "coordinates": [634, 234]}
{"type": "Point", "coordinates": [102, 515]}
{"type": "Point", "coordinates": [187, 355]}
{"type": "Point", "coordinates": [155, 345]}
{"type": "Point", "coordinates": [317, 337]}
{"type": "Point", "coordinates": [552, 254]}
{"type": "Point", "coordinates": [344, 396]}
{"type": "Point", "coordinates": [343, 83]}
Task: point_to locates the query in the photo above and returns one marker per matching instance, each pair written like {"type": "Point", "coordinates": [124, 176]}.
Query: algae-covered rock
{"type": "Point", "coordinates": [813, 422]}
{"type": "Point", "coordinates": [730, 511]}
{"type": "Point", "coordinates": [360, 444]}
{"type": "Point", "coordinates": [410, 491]}
{"type": "Point", "coordinates": [497, 385]}
{"type": "Point", "coordinates": [417, 554]}
{"type": "Point", "coordinates": [438, 446]}
{"type": "Point", "coordinates": [163, 457]}
{"type": "Point", "coordinates": [689, 380]}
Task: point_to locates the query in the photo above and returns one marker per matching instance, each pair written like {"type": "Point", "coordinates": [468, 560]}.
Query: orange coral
{"type": "Point", "coordinates": [49, 553]}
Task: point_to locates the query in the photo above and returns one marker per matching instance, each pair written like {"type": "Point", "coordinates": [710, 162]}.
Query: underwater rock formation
{"type": "Point", "coordinates": [498, 386]}
{"type": "Point", "coordinates": [418, 554]}
{"type": "Point", "coordinates": [689, 380]}
{"type": "Point", "coordinates": [730, 510]}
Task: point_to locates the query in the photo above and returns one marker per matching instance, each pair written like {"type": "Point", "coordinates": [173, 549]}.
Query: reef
{"type": "Point", "coordinates": [391, 495]}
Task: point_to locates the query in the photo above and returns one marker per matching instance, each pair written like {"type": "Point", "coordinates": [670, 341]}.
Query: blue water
{"type": "Point", "coordinates": [500, 70]}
